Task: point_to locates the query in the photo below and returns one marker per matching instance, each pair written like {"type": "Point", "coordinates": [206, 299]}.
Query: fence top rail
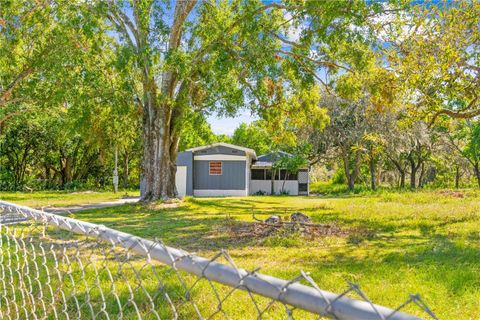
{"type": "Point", "coordinates": [290, 292]}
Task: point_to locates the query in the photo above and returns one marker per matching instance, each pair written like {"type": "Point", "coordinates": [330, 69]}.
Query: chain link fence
{"type": "Point", "coordinates": [55, 267]}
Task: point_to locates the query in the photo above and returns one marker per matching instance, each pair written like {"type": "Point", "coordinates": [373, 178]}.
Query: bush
{"type": "Point", "coordinates": [260, 193]}
{"type": "Point", "coordinates": [73, 186]}
{"type": "Point", "coordinates": [339, 177]}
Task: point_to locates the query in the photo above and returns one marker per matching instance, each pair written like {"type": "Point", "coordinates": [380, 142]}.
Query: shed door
{"type": "Point", "coordinates": [181, 180]}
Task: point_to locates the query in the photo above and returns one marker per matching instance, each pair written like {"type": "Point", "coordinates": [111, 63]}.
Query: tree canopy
{"type": "Point", "coordinates": [371, 87]}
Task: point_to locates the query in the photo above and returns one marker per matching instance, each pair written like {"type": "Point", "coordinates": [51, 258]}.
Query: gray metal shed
{"type": "Point", "coordinates": [223, 169]}
{"type": "Point", "coordinates": [219, 169]}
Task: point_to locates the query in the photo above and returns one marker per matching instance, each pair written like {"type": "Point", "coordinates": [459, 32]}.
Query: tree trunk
{"type": "Point", "coordinates": [272, 186]}
{"type": "Point", "coordinates": [373, 176]}
{"type": "Point", "coordinates": [457, 177]}
{"type": "Point", "coordinates": [351, 184]}
{"type": "Point", "coordinates": [413, 176]}
{"type": "Point", "coordinates": [402, 179]}
{"type": "Point", "coordinates": [351, 174]}
{"type": "Point", "coordinates": [422, 174]}
{"type": "Point", "coordinates": [65, 170]}
{"type": "Point", "coordinates": [48, 176]}
{"type": "Point", "coordinates": [476, 169]}
{"type": "Point", "coordinates": [161, 133]}
{"type": "Point", "coordinates": [287, 174]}
{"type": "Point", "coordinates": [401, 171]}
{"type": "Point", "coordinates": [159, 157]}
{"type": "Point", "coordinates": [348, 175]}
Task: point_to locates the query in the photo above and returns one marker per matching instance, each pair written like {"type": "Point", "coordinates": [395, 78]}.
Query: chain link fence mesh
{"type": "Point", "coordinates": [55, 267]}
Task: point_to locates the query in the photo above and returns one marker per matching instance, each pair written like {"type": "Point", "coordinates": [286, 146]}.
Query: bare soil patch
{"type": "Point", "coordinates": [452, 193]}
{"type": "Point", "coordinates": [258, 230]}
{"type": "Point", "coordinates": [263, 230]}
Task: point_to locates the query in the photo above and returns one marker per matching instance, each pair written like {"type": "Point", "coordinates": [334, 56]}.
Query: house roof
{"type": "Point", "coordinates": [268, 156]}
{"type": "Point", "coordinates": [262, 164]}
{"type": "Point", "coordinates": [267, 160]}
{"type": "Point", "coordinates": [224, 144]}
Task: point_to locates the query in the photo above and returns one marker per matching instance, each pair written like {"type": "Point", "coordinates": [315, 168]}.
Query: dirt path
{"type": "Point", "coordinates": [69, 209]}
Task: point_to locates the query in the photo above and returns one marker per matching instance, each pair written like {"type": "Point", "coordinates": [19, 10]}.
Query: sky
{"type": "Point", "coordinates": [228, 125]}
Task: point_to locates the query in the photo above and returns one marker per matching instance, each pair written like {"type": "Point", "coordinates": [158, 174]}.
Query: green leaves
{"type": "Point", "coordinates": [434, 51]}
{"type": "Point", "coordinates": [254, 136]}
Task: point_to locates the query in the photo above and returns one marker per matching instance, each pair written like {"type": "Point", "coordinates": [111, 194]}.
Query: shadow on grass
{"type": "Point", "coordinates": [200, 224]}
{"type": "Point", "coordinates": [421, 252]}
{"type": "Point", "coordinates": [438, 262]}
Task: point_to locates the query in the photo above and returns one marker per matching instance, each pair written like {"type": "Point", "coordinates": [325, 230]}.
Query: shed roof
{"type": "Point", "coordinates": [271, 156]}
{"type": "Point", "coordinates": [224, 144]}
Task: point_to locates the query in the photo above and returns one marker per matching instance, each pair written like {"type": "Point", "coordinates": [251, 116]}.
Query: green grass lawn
{"type": "Point", "coordinates": [61, 198]}
{"type": "Point", "coordinates": [424, 242]}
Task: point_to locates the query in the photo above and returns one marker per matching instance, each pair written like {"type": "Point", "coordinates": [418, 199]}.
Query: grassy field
{"type": "Point", "coordinates": [392, 243]}
{"type": "Point", "coordinates": [61, 198]}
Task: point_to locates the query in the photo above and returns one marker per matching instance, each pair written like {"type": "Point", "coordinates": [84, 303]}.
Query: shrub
{"type": "Point", "coordinates": [73, 186]}
{"type": "Point", "coordinates": [339, 177]}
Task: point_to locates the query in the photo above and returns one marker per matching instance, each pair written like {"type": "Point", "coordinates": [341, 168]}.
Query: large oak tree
{"type": "Point", "coordinates": [215, 57]}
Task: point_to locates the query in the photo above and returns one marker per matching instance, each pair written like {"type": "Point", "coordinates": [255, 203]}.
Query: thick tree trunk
{"type": "Point", "coordinates": [159, 158]}
{"type": "Point", "coordinates": [160, 112]}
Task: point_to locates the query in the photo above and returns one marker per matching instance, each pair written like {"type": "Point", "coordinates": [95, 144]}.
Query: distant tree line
{"type": "Point", "coordinates": [381, 92]}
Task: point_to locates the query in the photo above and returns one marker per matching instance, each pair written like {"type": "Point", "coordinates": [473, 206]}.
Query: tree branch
{"type": "Point", "coordinates": [202, 51]}
{"type": "Point", "coordinates": [318, 62]}
{"type": "Point", "coordinates": [7, 93]}
{"type": "Point", "coordinates": [316, 77]}
{"type": "Point", "coordinates": [460, 114]}
{"type": "Point", "coordinates": [11, 115]}
{"type": "Point", "coordinates": [282, 39]}
{"type": "Point", "coordinates": [123, 23]}
{"type": "Point", "coordinates": [182, 10]}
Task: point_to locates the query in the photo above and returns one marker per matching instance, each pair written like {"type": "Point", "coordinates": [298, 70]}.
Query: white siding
{"type": "Point", "coordinates": [181, 180]}
{"type": "Point", "coordinates": [219, 157]}
{"type": "Point", "coordinates": [265, 185]}
{"type": "Point", "coordinates": [219, 193]}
